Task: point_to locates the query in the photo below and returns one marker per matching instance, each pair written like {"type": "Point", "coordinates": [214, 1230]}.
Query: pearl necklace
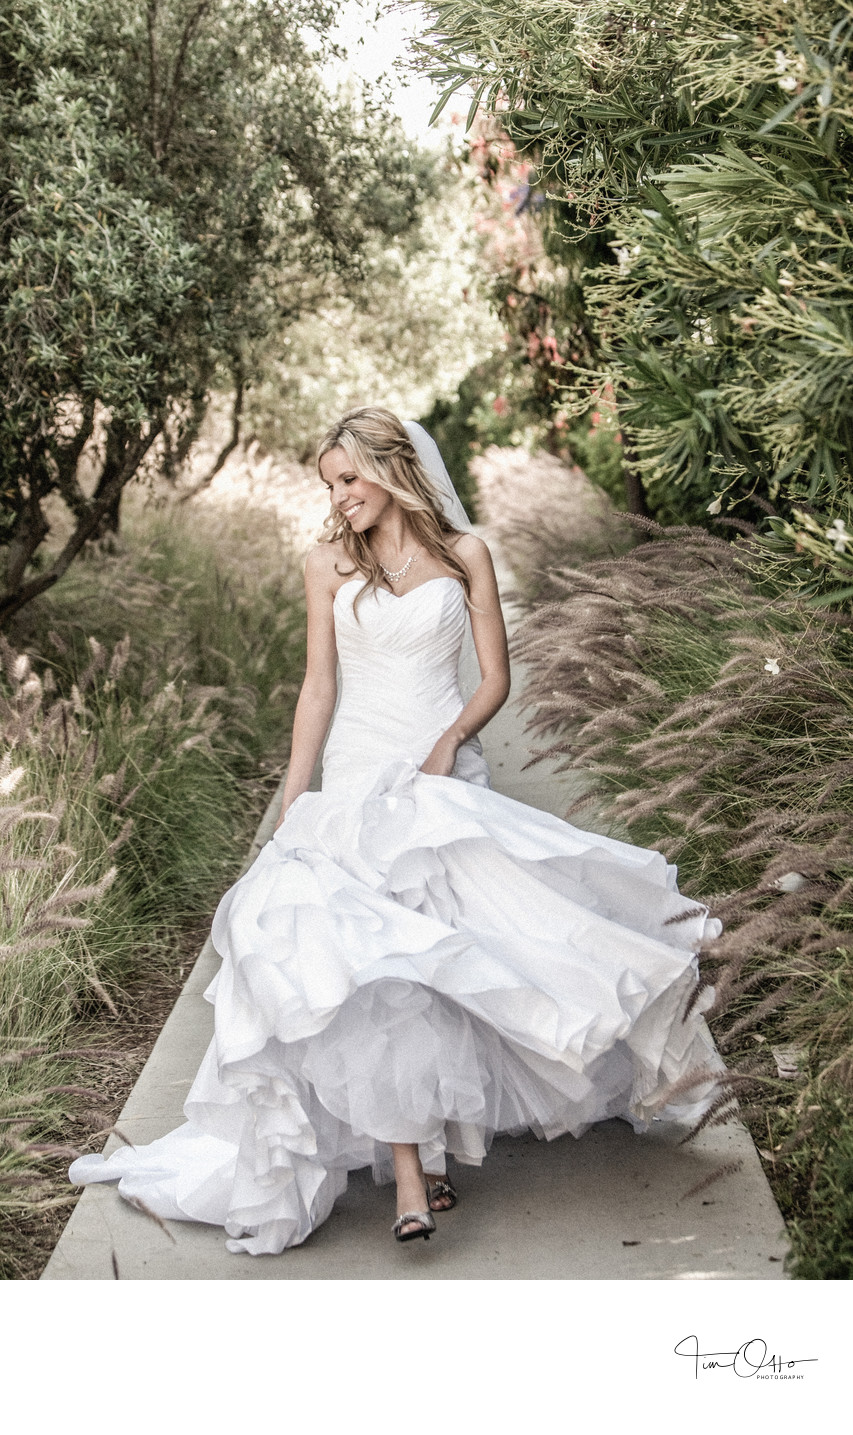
{"type": "Point", "coordinates": [394, 577]}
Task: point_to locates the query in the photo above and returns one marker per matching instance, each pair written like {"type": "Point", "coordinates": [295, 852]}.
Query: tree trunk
{"type": "Point", "coordinates": [109, 524]}
{"type": "Point", "coordinates": [636, 494]}
{"type": "Point", "coordinates": [226, 451]}
{"type": "Point", "coordinates": [552, 441]}
{"type": "Point", "coordinates": [105, 501]}
{"type": "Point", "coordinates": [30, 527]}
{"type": "Point", "coordinates": [108, 493]}
{"type": "Point", "coordinates": [634, 491]}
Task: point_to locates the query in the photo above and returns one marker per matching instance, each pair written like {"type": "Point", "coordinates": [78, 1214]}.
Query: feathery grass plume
{"type": "Point", "coordinates": [139, 1205]}
{"type": "Point", "coordinates": [728, 1168]}
{"type": "Point", "coordinates": [715, 717]}
{"type": "Point", "coordinates": [137, 706]}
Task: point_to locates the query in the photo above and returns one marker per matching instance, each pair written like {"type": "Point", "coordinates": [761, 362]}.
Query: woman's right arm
{"type": "Point", "coordinates": [319, 690]}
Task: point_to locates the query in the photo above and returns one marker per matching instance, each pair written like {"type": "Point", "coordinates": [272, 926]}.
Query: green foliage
{"type": "Point", "coordinates": [710, 146]}
{"type": "Point", "coordinates": [480, 413]}
{"type": "Point", "coordinates": [596, 447]}
{"type": "Point", "coordinates": [497, 403]}
{"type": "Point", "coordinates": [416, 323]}
{"type": "Point", "coordinates": [821, 1211]}
{"type": "Point", "coordinates": [176, 183]}
{"type": "Point", "coordinates": [816, 558]}
{"type": "Point", "coordinates": [535, 282]}
{"type": "Point", "coordinates": [449, 422]}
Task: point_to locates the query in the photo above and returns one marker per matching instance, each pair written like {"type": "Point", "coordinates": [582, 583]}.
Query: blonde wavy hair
{"type": "Point", "coordinates": [380, 450]}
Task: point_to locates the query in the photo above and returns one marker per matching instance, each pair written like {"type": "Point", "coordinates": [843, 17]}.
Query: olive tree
{"type": "Point", "coordinates": [176, 182]}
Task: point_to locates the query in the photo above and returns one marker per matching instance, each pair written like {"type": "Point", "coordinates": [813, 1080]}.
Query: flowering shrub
{"type": "Point", "coordinates": [815, 553]}
{"type": "Point", "coordinates": [706, 146]}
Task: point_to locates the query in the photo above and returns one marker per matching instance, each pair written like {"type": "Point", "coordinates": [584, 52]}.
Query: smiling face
{"type": "Point", "coordinates": [361, 501]}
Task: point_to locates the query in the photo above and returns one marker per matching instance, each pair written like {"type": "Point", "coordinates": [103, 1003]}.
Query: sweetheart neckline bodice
{"type": "Point", "coordinates": [399, 597]}
{"type": "Point", "coordinates": [398, 680]}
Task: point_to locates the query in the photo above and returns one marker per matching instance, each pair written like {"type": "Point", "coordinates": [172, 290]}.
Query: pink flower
{"type": "Point", "coordinates": [500, 405]}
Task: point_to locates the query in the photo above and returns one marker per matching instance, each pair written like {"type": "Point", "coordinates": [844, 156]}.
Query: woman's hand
{"type": "Point", "coordinates": [441, 760]}
{"type": "Point", "coordinates": [487, 626]}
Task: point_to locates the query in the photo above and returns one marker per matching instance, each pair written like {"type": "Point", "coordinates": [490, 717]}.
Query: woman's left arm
{"type": "Point", "coordinates": [487, 626]}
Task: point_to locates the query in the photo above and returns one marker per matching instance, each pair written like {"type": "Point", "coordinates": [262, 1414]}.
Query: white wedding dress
{"type": "Point", "coordinates": [419, 959]}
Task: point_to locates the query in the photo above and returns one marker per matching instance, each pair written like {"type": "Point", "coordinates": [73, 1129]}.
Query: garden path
{"type": "Point", "coordinates": [611, 1206]}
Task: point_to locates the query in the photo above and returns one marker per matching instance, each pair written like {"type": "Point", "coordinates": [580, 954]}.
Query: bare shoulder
{"type": "Point", "coordinates": [321, 559]}
{"type": "Point", "coordinates": [321, 563]}
{"type": "Point", "coordinates": [475, 554]}
{"type": "Point", "coordinates": [327, 568]}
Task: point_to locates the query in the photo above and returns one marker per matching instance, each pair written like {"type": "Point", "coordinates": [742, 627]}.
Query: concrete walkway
{"type": "Point", "coordinates": [611, 1206]}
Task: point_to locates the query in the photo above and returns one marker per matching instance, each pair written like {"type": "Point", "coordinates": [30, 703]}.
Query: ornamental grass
{"type": "Point", "coordinates": [144, 713]}
{"type": "Point", "coordinates": [716, 722]}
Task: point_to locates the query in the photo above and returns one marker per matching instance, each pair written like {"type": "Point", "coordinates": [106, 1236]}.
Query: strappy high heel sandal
{"type": "Point", "coordinates": [425, 1219]}
{"type": "Point", "coordinates": [441, 1189]}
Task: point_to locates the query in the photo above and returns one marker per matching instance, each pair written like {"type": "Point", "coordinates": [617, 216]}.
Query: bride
{"type": "Point", "coordinates": [415, 962]}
